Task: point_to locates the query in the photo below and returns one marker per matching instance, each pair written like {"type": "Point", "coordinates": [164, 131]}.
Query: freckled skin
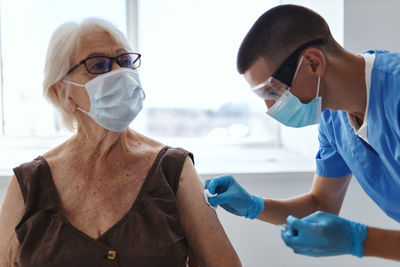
{"type": "Point", "coordinates": [98, 175]}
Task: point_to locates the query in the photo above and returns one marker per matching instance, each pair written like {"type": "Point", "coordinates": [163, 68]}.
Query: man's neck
{"type": "Point", "coordinates": [345, 85]}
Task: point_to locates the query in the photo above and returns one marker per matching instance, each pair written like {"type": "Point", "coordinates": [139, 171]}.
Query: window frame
{"type": "Point", "coordinates": [2, 118]}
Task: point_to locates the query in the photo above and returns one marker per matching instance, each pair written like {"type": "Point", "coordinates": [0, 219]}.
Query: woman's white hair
{"type": "Point", "coordinates": [63, 48]}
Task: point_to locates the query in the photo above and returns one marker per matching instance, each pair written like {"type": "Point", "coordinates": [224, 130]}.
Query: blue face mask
{"type": "Point", "coordinates": [289, 110]}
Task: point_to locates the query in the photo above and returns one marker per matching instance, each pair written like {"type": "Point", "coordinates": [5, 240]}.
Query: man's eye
{"type": "Point", "coordinates": [273, 93]}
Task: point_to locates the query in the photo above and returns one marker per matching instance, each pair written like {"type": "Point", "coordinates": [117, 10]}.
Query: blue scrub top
{"type": "Point", "coordinates": [376, 165]}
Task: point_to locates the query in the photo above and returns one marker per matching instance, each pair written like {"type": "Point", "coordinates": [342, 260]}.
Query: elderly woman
{"type": "Point", "coordinates": [108, 196]}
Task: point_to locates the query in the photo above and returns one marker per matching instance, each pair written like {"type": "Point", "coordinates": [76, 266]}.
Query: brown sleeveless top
{"type": "Point", "coordinates": [150, 234]}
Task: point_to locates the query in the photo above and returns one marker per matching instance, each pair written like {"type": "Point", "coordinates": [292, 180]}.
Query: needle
{"type": "Point", "coordinates": [285, 227]}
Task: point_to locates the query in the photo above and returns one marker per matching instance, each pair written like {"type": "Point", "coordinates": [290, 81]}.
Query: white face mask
{"type": "Point", "coordinates": [115, 97]}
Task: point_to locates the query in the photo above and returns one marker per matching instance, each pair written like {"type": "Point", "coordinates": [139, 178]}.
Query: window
{"type": "Point", "coordinates": [188, 71]}
{"type": "Point", "coordinates": [194, 95]}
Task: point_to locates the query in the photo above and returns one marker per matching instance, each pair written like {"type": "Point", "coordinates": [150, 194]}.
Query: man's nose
{"type": "Point", "coordinates": [269, 103]}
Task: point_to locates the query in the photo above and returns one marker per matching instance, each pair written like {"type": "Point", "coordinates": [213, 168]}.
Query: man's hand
{"type": "Point", "coordinates": [233, 197]}
{"type": "Point", "coordinates": [324, 234]}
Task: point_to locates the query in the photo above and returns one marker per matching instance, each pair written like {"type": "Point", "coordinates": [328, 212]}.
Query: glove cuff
{"type": "Point", "coordinates": [256, 208]}
{"type": "Point", "coordinates": [360, 232]}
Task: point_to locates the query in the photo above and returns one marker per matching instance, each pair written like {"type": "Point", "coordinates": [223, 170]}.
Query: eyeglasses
{"type": "Point", "coordinates": [103, 64]}
{"type": "Point", "coordinates": [282, 78]}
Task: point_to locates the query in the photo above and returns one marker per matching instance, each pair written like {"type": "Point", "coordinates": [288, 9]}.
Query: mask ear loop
{"type": "Point", "coordinates": [80, 85]}
{"type": "Point", "coordinates": [84, 111]}
{"type": "Point", "coordinates": [298, 67]}
{"type": "Point", "coordinates": [71, 82]}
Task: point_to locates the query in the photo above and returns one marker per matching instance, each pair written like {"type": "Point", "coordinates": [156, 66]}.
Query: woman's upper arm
{"type": "Point", "coordinates": [206, 237]}
{"type": "Point", "coordinates": [11, 213]}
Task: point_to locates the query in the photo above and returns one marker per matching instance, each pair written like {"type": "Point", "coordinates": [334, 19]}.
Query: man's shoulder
{"type": "Point", "coordinates": [386, 62]}
{"type": "Point", "coordinates": [329, 115]}
{"type": "Point", "coordinates": [385, 84]}
{"type": "Point", "coordinates": [330, 120]}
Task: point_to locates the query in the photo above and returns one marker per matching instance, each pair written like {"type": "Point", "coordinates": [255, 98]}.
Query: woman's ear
{"type": "Point", "coordinates": [316, 60]}
{"type": "Point", "coordinates": [61, 92]}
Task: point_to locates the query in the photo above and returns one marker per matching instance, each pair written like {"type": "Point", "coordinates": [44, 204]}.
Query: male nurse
{"type": "Point", "coordinates": [305, 77]}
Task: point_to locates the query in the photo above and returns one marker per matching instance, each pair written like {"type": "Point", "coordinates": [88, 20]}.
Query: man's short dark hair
{"type": "Point", "coordinates": [278, 32]}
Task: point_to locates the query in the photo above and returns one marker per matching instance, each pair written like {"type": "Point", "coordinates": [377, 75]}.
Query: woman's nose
{"type": "Point", "coordinates": [115, 66]}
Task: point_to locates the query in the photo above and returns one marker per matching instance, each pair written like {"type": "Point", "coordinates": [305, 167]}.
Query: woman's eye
{"type": "Point", "coordinates": [126, 62]}
{"type": "Point", "coordinates": [98, 66]}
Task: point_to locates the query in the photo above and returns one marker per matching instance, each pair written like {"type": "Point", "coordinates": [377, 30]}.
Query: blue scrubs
{"type": "Point", "coordinates": [376, 165]}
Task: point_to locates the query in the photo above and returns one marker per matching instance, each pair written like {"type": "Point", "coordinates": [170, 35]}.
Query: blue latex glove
{"type": "Point", "coordinates": [233, 197]}
{"type": "Point", "coordinates": [324, 234]}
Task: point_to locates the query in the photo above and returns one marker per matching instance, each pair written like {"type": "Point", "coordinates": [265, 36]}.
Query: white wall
{"type": "Point", "coordinates": [371, 24]}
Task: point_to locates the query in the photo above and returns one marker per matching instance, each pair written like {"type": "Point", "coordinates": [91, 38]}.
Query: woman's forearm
{"type": "Point", "coordinates": [382, 243]}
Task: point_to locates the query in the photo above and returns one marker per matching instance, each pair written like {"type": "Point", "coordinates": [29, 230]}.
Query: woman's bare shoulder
{"type": "Point", "coordinates": [145, 143]}
{"type": "Point", "coordinates": [12, 210]}
{"type": "Point", "coordinates": [206, 236]}
{"type": "Point", "coordinates": [56, 152]}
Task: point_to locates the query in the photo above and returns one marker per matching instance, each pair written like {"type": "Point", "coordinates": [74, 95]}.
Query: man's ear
{"type": "Point", "coordinates": [316, 60]}
{"type": "Point", "coordinates": [61, 92]}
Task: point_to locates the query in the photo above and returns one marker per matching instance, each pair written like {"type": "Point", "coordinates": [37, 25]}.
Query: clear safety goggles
{"type": "Point", "coordinates": [271, 89]}
{"type": "Point", "coordinates": [281, 80]}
